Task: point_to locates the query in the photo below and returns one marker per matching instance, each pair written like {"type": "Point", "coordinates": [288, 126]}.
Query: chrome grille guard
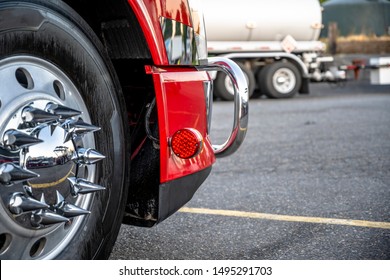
{"type": "Point", "coordinates": [240, 119]}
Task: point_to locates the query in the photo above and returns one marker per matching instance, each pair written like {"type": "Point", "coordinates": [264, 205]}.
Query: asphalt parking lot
{"type": "Point", "coordinates": [312, 181]}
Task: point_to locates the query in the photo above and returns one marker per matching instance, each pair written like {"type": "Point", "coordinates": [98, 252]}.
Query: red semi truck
{"type": "Point", "coordinates": [105, 110]}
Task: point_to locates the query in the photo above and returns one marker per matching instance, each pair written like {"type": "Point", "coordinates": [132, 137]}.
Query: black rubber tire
{"type": "Point", "coordinates": [257, 92]}
{"type": "Point", "coordinates": [266, 79]}
{"type": "Point", "coordinates": [52, 31]}
{"type": "Point", "coordinates": [220, 89]}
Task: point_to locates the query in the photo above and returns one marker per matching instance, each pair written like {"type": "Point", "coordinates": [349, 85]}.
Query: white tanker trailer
{"type": "Point", "coordinates": [275, 42]}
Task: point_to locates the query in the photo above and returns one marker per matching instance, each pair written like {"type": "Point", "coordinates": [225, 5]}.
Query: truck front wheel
{"type": "Point", "coordinates": [62, 136]}
{"type": "Point", "coordinates": [279, 80]}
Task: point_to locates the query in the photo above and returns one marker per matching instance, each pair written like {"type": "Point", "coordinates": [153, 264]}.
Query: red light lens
{"type": "Point", "coordinates": [186, 143]}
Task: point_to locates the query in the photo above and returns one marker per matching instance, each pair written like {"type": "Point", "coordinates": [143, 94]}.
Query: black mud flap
{"type": "Point", "coordinates": [174, 194]}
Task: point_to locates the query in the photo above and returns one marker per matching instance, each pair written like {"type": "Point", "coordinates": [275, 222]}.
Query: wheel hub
{"type": "Point", "coordinates": [46, 158]}
{"type": "Point", "coordinates": [284, 80]}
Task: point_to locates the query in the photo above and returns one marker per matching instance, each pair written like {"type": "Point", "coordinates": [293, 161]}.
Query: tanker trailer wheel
{"type": "Point", "coordinates": [279, 80]}
{"type": "Point", "coordinates": [223, 87]}
{"type": "Point", "coordinates": [62, 136]}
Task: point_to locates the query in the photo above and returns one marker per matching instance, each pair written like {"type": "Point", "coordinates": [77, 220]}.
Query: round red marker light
{"type": "Point", "coordinates": [186, 143]}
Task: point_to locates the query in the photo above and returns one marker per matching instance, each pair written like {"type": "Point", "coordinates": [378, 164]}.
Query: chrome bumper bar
{"type": "Point", "coordinates": [240, 120]}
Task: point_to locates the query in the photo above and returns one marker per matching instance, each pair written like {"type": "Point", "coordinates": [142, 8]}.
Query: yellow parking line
{"type": "Point", "coordinates": [286, 218]}
{"type": "Point", "coordinates": [51, 184]}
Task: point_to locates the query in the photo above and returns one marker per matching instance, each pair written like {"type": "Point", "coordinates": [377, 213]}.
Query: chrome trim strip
{"type": "Point", "coordinates": [208, 94]}
{"type": "Point", "coordinates": [240, 120]}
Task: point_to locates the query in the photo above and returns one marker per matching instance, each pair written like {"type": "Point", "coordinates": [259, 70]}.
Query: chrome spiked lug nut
{"type": "Point", "coordinates": [82, 186]}
{"type": "Point", "coordinates": [80, 127]}
{"type": "Point", "coordinates": [87, 156]}
{"type": "Point", "coordinates": [15, 139]}
{"type": "Point", "coordinates": [34, 115]}
{"type": "Point", "coordinates": [61, 111]}
{"type": "Point", "coordinates": [10, 173]}
{"type": "Point", "coordinates": [20, 203]}
{"type": "Point", "coordinates": [46, 217]}
{"type": "Point", "coordinates": [77, 128]}
{"type": "Point", "coordinates": [67, 209]}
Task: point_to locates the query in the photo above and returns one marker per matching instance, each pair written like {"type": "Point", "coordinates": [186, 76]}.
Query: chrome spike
{"type": "Point", "coordinates": [68, 210]}
{"type": "Point", "coordinates": [77, 128]}
{"type": "Point", "coordinates": [62, 111]}
{"type": "Point", "coordinates": [43, 200]}
{"type": "Point", "coordinates": [83, 127]}
{"type": "Point", "coordinates": [60, 198]}
{"type": "Point", "coordinates": [87, 156]}
{"type": "Point", "coordinates": [35, 115]}
{"type": "Point", "coordinates": [16, 139]}
{"type": "Point", "coordinates": [10, 173]}
{"type": "Point", "coordinates": [82, 186]}
{"type": "Point", "coordinates": [46, 217]}
{"type": "Point", "coordinates": [68, 136]}
{"type": "Point", "coordinates": [20, 203]}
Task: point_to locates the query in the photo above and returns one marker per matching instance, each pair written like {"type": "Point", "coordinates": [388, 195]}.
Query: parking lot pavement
{"type": "Point", "coordinates": [312, 181]}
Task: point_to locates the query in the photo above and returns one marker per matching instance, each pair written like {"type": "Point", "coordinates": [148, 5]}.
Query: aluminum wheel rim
{"type": "Point", "coordinates": [28, 231]}
{"type": "Point", "coordinates": [284, 80]}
